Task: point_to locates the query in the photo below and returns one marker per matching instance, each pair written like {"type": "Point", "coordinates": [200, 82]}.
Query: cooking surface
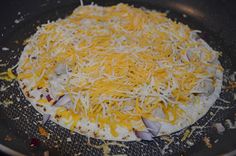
{"type": "Point", "coordinates": [214, 18]}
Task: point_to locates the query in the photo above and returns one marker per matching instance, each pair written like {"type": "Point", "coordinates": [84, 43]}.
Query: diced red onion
{"type": "Point", "coordinates": [152, 127]}
{"type": "Point", "coordinates": [46, 117]}
{"type": "Point", "coordinates": [219, 127]}
{"type": "Point", "coordinates": [143, 135]}
{"type": "Point", "coordinates": [49, 98]}
{"type": "Point", "coordinates": [205, 87]}
{"type": "Point", "coordinates": [46, 153]}
{"type": "Point", "coordinates": [62, 101]}
{"type": "Point", "coordinates": [34, 142]}
{"type": "Point", "coordinates": [60, 69]}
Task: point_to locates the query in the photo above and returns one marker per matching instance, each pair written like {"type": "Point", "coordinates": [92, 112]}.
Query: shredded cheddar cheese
{"type": "Point", "coordinates": [42, 131]}
{"type": "Point", "coordinates": [8, 75]}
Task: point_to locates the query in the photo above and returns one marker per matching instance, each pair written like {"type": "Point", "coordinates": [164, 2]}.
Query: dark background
{"type": "Point", "coordinates": [218, 15]}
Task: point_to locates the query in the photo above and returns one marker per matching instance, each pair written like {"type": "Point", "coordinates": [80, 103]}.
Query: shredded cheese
{"type": "Point", "coordinates": [117, 64]}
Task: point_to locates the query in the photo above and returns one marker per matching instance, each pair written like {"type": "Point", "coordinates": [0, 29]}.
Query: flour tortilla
{"type": "Point", "coordinates": [193, 111]}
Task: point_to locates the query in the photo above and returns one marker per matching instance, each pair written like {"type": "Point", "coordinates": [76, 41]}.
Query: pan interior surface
{"type": "Point", "coordinates": [20, 115]}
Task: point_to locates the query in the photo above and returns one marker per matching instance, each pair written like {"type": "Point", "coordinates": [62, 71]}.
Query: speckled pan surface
{"type": "Point", "coordinates": [24, 119]}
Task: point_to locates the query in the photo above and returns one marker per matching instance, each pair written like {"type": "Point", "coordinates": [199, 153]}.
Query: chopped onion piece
{"type": "Point", "coordinates": [46, 117]}
{"type": "Point", "coordinates": [144, 135]}
{"type": "Point", "coordinates": [219, 127]}
{"type": "Point", "coordinates": [152, 127]}
{"type": "Point", "coordinates": [60, 69]}
{"type": "Point", "coordinates": [204, 87]}
{"type": "Point", "coordinates": [49, 98]}
{"type": "Point", "coordinates": [62, 101]}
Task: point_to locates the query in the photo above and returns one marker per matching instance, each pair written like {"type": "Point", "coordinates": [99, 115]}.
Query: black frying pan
{"type": "Point", "coordinates": [19, 121]}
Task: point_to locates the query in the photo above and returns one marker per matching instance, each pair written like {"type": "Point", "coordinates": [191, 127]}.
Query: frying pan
{"type": "Point", "coordinates": [19, 120]}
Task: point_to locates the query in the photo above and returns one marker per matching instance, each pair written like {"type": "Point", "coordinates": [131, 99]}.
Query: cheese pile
{"type": "Point", "coordinates": [117, 64]}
